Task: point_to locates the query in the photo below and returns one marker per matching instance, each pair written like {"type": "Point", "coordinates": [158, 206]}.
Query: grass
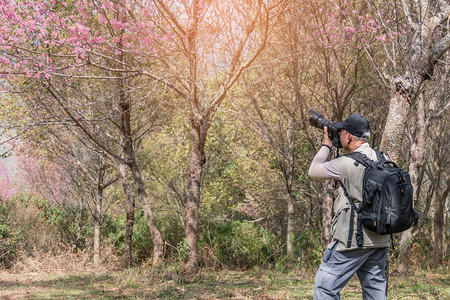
{"type": "Point", "coordinates": [140, 283]}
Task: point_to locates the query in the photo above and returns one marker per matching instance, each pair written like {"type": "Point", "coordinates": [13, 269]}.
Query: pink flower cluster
{"type": "Point", "coordinates": [41, 37]}
{"type": "Point", "coordinates": [338, 26]}
{"type": "Point", "coordinates": [255, 207]}
{"type": "Point", "coordinates": [40, 177]}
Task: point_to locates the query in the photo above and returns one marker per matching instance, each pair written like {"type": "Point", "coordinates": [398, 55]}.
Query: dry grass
{"type": "Point", "coordinates": [65, 262]}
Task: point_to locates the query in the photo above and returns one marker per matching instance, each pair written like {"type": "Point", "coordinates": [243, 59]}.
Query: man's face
{"type": "Point", "coordinates": [345, 139]}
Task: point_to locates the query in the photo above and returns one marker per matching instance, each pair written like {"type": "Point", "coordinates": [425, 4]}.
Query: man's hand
{"type": "Point", "coordinates": [326, 138]}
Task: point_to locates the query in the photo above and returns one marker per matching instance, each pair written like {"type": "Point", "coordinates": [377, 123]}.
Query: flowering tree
{"type": "Point", "coordinates": [40, 177]}
{"type": "Point", "coordinates": [320, 64]}
{"type": "Point", "coordinates": [81, 60]}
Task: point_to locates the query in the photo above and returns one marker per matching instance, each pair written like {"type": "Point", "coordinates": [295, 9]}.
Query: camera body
{"type": "Point", "coordinates": [319, 121]}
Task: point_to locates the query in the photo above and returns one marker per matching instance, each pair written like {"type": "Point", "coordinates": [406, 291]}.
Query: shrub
{"type": "Point", "coordinates": [34, 225]}
{"type": "Point", "coordinates": [73, 224]}
{"type": "Point", "coordinates": [142, 247]}
{"type": "Point", "coordinates": [172, 231]}
{"type": "Point", "coordinates": [114, 230]}
{"type": "Point", "coordinates": [239, 244]}
{"type": "Point", "coordinates": [9, 238]}
{"type": "Point", "coordinates": [308, 248]}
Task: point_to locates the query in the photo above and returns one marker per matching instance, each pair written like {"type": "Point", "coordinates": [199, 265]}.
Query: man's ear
{"type": "Point", "coordinates": [349, 138]}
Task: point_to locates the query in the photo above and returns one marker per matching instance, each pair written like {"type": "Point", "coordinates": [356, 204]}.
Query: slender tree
{"type": "Point", "coordinates": [218, 41]}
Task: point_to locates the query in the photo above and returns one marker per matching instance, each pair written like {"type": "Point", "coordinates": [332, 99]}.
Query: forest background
{"type": "Point", "coordinates": [156, 132]}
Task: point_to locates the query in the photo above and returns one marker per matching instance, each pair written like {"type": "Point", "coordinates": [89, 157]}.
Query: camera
{"type": "Point", "coordinates": [319, 121]}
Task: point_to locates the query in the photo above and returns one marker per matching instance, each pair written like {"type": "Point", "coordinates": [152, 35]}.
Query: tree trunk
{"type": "Point", "coordinates": [97, 216]}
{"type": "Point", "coordinates": [97, 227]}
{"type": "Point", "coordinates": [418, 145]}
{"type": "Point", "coordinates": [126, 137]}
{"type": "Point", "coordinates": [158, 244]}
{"type": "Point", "coordinates": [438, 232]}
{"type": "Point", "coordinates": [290, 225]}
{"type": "Point", "coordinates": [327, 213]}
{"type": "Point", "coordinates": [442, 187]}
{"type": "Point", "coordinates": [129, 216]}
{"type": "Point", "coordinates": [426, 48]}
{"type": "Point", "coordinates": [394, 129]}
{"type": "Point", "coordinates": [196, 161]}
{"type": "Point", "coordinates": [197, 158]}
{"type": "Point", "coordinates": [417, 158]}
{"type": "Point", "coordinates": [202, 115]}
{"type": "Point", "coordinates": [288, 178]}
{"type": "Point", "coordinates": [296, 100]}
{"type": "Point", "coordinates": [404, 247]}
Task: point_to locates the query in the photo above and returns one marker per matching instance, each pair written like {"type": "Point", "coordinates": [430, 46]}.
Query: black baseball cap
{"type": "Point", "coordinates": [355, 124]}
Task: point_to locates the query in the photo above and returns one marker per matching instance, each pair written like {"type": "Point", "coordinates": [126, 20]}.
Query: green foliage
{"type": "Point", "coordinates": [4, 228]}
{"type": "Point", "coordinates": [10, 238]}
{"type": "Point", "coordinates": [172, 231]}
{"type": "Point", "coordinates": [183, 250]}
{"type": "Point", "coordinates": [239, 244]}
{"type": "Point", "coordinates": [142, 244]}
{"type": "Point", "coordinates": [73, 223]}
{"type": "Point", "coordinates": [308, 248]}
{"type": "Point", "coordinates": [53, 215]}
{"type": "Point", "coordinates": [240, 169]}
{"type": "Point", "coordinates": [114, 230]}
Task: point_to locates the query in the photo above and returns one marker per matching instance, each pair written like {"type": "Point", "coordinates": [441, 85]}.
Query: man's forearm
{"type": "Point", "coordinates": [316, 168]}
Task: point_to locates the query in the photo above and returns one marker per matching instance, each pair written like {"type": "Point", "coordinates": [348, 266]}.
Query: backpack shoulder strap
{"type": "Point", "coordinates": [353, 209]}
{"type": "Point", "coordinates": [380, 156]}
{"type": "Point", "coordinates": [360, 158]}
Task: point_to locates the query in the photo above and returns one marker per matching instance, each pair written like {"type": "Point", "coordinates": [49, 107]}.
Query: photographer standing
{"type": "Point", "coordinates": [349, 253]}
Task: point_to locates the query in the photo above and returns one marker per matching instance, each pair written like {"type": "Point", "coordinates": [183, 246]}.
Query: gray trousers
{"type": "Point", "coordinates": [338, 267]}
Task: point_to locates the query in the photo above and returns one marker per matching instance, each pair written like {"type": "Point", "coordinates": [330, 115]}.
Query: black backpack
{"type": "Point", "coordinates": [387, 198]}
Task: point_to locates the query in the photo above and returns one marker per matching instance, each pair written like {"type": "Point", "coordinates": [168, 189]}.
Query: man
{"type": "Point", "coordinates": [343, 257]}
